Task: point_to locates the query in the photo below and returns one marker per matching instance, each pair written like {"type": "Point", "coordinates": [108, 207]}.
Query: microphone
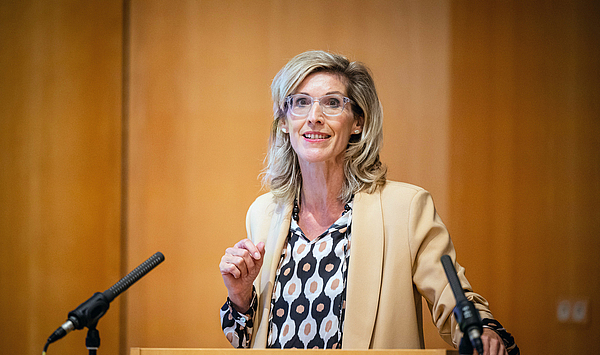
{"type": "Point", "coordinates": [89, 312]}
{"type": "Point", "coordinates": [465, 312]}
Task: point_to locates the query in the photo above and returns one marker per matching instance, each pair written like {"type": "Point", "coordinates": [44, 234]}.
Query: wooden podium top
{"type": "Point", "coordinates": [231, 351]}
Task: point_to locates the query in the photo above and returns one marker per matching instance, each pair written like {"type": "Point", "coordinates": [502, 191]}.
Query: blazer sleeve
{"type": "Point", "coordinates": [428, 241]}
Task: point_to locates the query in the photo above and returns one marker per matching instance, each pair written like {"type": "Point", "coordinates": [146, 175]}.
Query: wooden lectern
{"type": "Point", "coordinates": [226, 351]}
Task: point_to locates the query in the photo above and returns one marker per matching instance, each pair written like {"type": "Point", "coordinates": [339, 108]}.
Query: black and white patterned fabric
{"type": "Point", "coordinates": [238, 327]}
{"type": "Point", "coordinates": [308, 302]}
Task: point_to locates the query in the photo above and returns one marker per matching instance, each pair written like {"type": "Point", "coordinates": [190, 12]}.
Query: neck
{"type": "Point", "coordinates": [321, 187]}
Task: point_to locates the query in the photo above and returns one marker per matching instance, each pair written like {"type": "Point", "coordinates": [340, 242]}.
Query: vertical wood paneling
{"type": "Point", "coordinates": [60, 81]}
{"type": "Point", "coordinates": [492, 106]}
{"type": "Point", "coordinates": [525, 163]}
{"type": "Point", "coordinates": [200, 113]}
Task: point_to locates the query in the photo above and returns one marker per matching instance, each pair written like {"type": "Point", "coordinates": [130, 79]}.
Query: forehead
{"type": "Point", "coordinates": [322, 83]}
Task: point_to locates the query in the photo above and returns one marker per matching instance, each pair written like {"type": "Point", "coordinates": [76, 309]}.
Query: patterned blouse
{"type": "Point", "coordinates": [309, 296]}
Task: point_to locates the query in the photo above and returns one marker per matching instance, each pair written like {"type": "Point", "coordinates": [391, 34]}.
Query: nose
{"type": "Point", "coordinates": [315, 115]}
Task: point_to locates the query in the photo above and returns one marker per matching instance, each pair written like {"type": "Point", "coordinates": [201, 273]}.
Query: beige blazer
{"type": "Point", "coordinates": [397, 242]}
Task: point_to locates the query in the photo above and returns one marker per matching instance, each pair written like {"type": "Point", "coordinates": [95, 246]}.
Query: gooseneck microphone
{"type": "Point", "coordinates": [89, 312]}
{"type": "Point", "coordinates": [465, 312]}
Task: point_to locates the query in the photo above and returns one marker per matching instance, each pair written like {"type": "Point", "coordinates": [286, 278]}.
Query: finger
{"type": "Point", "coordinates": [234, 254]}
{"type": "Point", "coordinates": [243, 264]}
{"type": "Point", "coordinates": [248, 245]}
{"type": "Point", "coordinates": [261, 248]}
{"type": "Point", "coordinates": [492, 348]}
{"type": "Point", "coordinates": [227, 268]}
{"type": "Point", "coordinates": [242, 261]}
{"type": "Point", "coordinates": [492, 343]}
{"type": "Point", "coordinates": [497, 347]}
{"type": "Point", "coordinates": [486, 345]}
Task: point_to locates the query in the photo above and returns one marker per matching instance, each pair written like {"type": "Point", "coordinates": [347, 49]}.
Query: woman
{"type": "Point", "coordinates": [336, 256]}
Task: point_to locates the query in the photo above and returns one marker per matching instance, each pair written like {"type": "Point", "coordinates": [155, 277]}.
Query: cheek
{"type": "Point", "coordinates": [294, 134]}
{"type": "Point", "coordinates": [295, 126]}
{"type": "Point", "coordinates": [348, 128]}
{"type": "Point", "coordinates": [343, 138]}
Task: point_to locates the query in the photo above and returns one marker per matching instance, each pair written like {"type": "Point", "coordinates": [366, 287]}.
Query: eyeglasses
{"type": "Point", "coordinates": [331, 105]}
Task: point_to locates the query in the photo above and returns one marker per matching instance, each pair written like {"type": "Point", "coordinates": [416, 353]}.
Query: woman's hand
{"type": "Point", "coordinates": [239, 267]}
{"type": "Point", "coordinates": [492, 343]}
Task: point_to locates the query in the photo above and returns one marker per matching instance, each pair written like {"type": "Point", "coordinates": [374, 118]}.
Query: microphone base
{"type": "Point", "coordinates": [92, 340]}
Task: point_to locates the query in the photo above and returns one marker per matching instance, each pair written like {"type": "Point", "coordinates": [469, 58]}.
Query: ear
{"type": "Point", "coordinates": [358, 124]}
{"type": "Point", "coordinates": [283, 125]}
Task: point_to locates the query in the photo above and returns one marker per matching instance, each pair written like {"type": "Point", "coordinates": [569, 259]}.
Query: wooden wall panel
{"type": "Point", "coordinates": [200, 113]}
{"type": "Point", "coordinates": [525, 164]}
{"type": "Point", "coordinates": [491, 106]}
{"type": "Point", "coordinates": [60, 135]}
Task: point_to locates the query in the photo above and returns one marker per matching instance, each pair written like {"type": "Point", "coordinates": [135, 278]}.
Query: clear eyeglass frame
{"type": "Point", "coordinates": [326, 109]}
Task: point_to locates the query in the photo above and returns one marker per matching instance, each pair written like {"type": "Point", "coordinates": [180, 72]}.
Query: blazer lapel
{"type": "Point", "coordinates": [364, 271]}
{"type": "Point", "coordinates": [277, 234]}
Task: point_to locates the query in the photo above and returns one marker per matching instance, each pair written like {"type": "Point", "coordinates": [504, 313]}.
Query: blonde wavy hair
{"type": "Point", "coordinates": [363, 171]}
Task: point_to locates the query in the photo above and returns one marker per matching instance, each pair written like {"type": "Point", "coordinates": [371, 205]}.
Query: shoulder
{"type": "Point", "coordinates": [392, 194]}
{"type": "Point", "coordinates": [265, 205]}
{"type": "Point", "coordinates": [394, 191]}
{"type": "Point", "coordinates": [400, 191]}
{"type": "Point", "coordinates": [400, 197]}
{"type": "Point", "coordinates": [262, 203]}
{"type": "Point", "coordinates": [400, 187]}
{"type": "Point", "coordinates": [263, 200]}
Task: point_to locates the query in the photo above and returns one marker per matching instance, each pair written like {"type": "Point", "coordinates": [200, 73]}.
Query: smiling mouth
{"type": "Point", "coordinates": [315, 136]}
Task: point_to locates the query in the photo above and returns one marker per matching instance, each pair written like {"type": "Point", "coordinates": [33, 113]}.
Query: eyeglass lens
{"type": "Point", "coordinates": [331, 105]}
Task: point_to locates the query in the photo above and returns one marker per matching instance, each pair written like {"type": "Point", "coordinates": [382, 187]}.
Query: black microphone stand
{"type": "Point", "coordinates": [92, 340]}
{"type": "Point", "coordinates": [467, 316]}
{"type": "Point", "coordinates": [89, 312]}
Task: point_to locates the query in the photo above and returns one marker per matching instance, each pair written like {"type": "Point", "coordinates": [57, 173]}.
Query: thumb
{"type": "Point", "coordinates": [261, 248]}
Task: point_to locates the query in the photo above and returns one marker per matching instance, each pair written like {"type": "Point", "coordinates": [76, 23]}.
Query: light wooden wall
{"type": "Point", "coordinates": [200, 113]}
{"type": "Point", "coordinates": [492, 106]}
{"type": "Point", "coordinates": [60, 169]}
{"type": "Point", "coordinates": [525, 164]}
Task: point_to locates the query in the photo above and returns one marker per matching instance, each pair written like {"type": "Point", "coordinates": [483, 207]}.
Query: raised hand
{"type": "Point", "coordinates": [239, 268]}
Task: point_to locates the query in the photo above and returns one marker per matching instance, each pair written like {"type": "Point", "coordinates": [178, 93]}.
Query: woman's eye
{"type": "Point", "coordinates": [303, 102]}
{"type": "Point", "coordinates": [333, 102]}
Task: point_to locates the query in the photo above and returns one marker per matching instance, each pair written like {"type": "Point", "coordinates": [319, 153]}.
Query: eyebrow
{"type": "Point", "coordinates": [328, 93]}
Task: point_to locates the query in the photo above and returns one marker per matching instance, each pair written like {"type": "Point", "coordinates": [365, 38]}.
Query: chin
{"type": "Point", "coordinates": [319, 158]}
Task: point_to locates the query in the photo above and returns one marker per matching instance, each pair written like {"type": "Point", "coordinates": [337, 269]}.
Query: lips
{"type": "Point", "coordinates": [313, 135]}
